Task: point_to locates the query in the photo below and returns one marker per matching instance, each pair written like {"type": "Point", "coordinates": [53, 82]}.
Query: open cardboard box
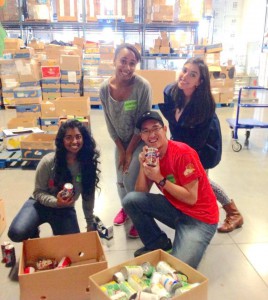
{"type": "Point", "coordinates": [87, 256]}
{"type": "Point", "coordinates": [36, 145]}
{"type": "Point", "coordinates": [199, 292]}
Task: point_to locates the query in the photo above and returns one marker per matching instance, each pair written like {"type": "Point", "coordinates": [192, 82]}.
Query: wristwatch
{"type": "Point", "coordinates": [162, 182]}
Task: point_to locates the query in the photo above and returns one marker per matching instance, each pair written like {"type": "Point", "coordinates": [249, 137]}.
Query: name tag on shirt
{"type": "Point", "coordinates": [130, 105]}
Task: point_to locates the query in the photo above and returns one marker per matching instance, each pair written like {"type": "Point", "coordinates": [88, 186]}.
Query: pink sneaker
{"type": "Point", "coordinates": [120, 218]}
{"type": "Point", "coordinates": [133, 233]}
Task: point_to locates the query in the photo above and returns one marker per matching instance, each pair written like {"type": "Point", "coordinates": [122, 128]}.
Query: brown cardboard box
{"type": "Point", "coordinates": [77, 106]}
{"type": "Point", "coordinates": [36, 145]}
{"type": "Point", "coordinates": [2, 216]}
{"type": "Point", "coordinates": [87, 256]}
{"type": "Point", "coordinates": [21, 122]}
{"type": "Point", "coordinates": [70, 62]}
{"type": "Point", "coordinates": [158, 79]}
{"type": "Point", "coordinates": [14, 137]}
{"type": "Point", "coordinates": [13, 43]}
{"type": "Point", "coordinates": [198, 293]}
{"type": "Point", "coordinates": [67, 10]}
{"type": "Point", "coordinates": [48, 109]}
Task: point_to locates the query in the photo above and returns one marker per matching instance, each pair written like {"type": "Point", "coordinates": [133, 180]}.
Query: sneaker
{"type": "Point", "coordinates": [133, 233]}
{"type": "Point", "coordinates": [120, 218]}
{"type": "Point", "coordinates": [143, 250]}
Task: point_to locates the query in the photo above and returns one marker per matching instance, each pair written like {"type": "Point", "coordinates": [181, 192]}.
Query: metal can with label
{"type": "Point", "coordinates": [148, 269]}
{"type": "Point", "coordinates": [68, 190]}
{"type": "Point", "coordinates": [127, 271]}
{"type": "Point", "coordinates": [151, 156]}
{"type": "Point", "coordinates": [10, 255]}
{"type": "Point", "coordinates": [3, 247]}
{"type": "Point", "coordinates": [169, 283]}
{"type": "Point", "coordinates": [145, 296]}
{"type": "Point", "coordinates": [64, 262]}
{"type": "Point", "coordinates": [29, 270]}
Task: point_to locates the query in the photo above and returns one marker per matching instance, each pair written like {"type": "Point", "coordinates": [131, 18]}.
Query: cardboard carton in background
{"type": "Point", "coordinates": [2, 216]}
{"type": "Point", "coordinates": [198, 293]}
{"type": "Point", "coordinates": [87, 256]}
{"type": "Point", "coordinates": [36, 145]}
{"type": "Point", "coordinates": [77, 106]}
{"type": "Point", "coordinates": [158, 79]}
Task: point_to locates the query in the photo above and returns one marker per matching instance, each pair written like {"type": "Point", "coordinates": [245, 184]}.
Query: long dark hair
{"type": "Point", "coordinates": [202, 105]}
{"type": "Point", "coordinates": [88, 157]}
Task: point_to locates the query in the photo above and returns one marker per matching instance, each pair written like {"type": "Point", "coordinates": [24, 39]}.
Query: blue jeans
{"type": "Point", "coordinates": [191, 236]}
{"type": "Point", "coordinates": [33, 214]}
{"type": "Point", "coordinates": [126, 181]}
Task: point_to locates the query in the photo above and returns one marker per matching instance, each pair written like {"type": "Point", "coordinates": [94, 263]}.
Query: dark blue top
{"type": "Point", "coordinates": [205, 137]}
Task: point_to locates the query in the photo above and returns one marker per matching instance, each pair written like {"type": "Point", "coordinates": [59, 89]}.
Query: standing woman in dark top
{"type": "Point", "coordinates": [190, 108]}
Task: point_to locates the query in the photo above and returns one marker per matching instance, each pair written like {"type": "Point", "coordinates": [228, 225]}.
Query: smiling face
{"type": "Point", "coordinates": [154, 135]}
{"type": "Point", "coordinates": [125, 64]}
{"type": "Point", "coordinates": [189, 78]}
{"type": "Point", "coordinates": [73, 140]}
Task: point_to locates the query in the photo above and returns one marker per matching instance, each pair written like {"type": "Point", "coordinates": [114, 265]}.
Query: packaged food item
{"type": "Point", "coordinates": [118, 277]}
{"type": "Point", "coordinates": [151, 156]}
{"type": "Point", "coordinates": [110, 288]}
{"type": "Point", "coordinates": [169, 283]}
{"type": "Point", "coordinates": [138, 284]}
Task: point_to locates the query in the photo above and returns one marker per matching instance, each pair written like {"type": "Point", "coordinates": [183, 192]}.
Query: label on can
{"type": "Point", "coordinates": [129, 270]}
{"type": "Point", "coordinates": [151, 156]}
{"type": "Point", "coordinates": [68, 190]}
{"type": "Point", "coordinates": [3, 247]}
{"type": "Point", "coordinates": [64, 262]}
{"type": "Point", "coordinates": [10, 255]}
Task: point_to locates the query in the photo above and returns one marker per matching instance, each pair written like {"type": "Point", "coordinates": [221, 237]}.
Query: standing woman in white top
{"type": "Point", "coordinates": [125, 97]}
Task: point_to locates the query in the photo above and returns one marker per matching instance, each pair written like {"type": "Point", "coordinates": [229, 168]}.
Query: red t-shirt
{"type": "Point", "coordinates": [181, 165]}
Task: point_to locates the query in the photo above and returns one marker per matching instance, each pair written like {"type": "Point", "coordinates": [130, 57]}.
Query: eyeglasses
{"type": "Point", "coordinates": [149, 131]}
{"type": "Point", "coordinates": [70, 138]}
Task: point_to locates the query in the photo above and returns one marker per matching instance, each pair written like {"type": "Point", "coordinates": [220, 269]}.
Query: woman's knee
{"type": "Point", "coordinates": [129, 199]}
{"type": "Point", "coordinates": [16, 234]}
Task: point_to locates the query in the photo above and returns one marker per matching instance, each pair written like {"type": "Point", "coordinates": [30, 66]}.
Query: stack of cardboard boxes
{"type": "Point", "coordinates": [161, 44]}
{"type": "Point", "coordinates": [222, 77]}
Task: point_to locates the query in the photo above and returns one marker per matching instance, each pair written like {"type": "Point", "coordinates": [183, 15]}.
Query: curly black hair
{"type": "Point", "coordinates": [88, 157]}
{"type": "Point", "coordinates": [202, 104]}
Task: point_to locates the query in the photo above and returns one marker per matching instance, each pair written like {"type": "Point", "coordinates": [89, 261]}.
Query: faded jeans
{"type": "Point", "coordinates": [191, 235]}
{"type": "Point", "coordinates": [126, 181]}
{"type": "Point", "coordinates": [33, 214]}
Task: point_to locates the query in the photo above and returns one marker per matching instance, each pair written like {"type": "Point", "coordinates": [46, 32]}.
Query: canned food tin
{"type": "Point", "coordinates": [186, 288]}
{"type": "Point", "coordinates": [145, 296]}
{"type": "Point", "coordinates": [127, 271]}
{"type": "Point", "coordinates": [165, 268]}
{"type": "Point", "coordinates": [10, 255]}
{"type": "Point", "coordinates": [119, 296]}
{"type": "Point", "coordinates": [156, 277]}
{"type": "Point", "coordinates": [159, 290]}
{"type": "Point", "coordinates": [118, 277]}
{"type": "Point", "coordinates": [110, 288]}
{"type": "Point", "coordinates": [148, 269]}
{"type": "Point", "coordinates": [151, 156]}
{"type": "Point", "coordinates": [29, 270]}
{"type": "Point", "coordinates": [169, 283]}
{"type": "Point", "coordinates": [126, 287]}
{"type": "Point", "coordinates": [64, 262]}
{"type": "Point", "coordinates": [68, 190]}
{"type": "Point", "coordinates": [3, 247]}
{"type": "Point", "coordinates": [138, 284]}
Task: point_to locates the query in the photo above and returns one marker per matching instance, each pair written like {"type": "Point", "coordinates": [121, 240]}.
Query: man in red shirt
{"type": "Point", "coordinates": [186, 204]}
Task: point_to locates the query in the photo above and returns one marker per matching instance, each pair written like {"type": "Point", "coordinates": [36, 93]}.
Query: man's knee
{"type": "Point", "coordinates": [129, 199]}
